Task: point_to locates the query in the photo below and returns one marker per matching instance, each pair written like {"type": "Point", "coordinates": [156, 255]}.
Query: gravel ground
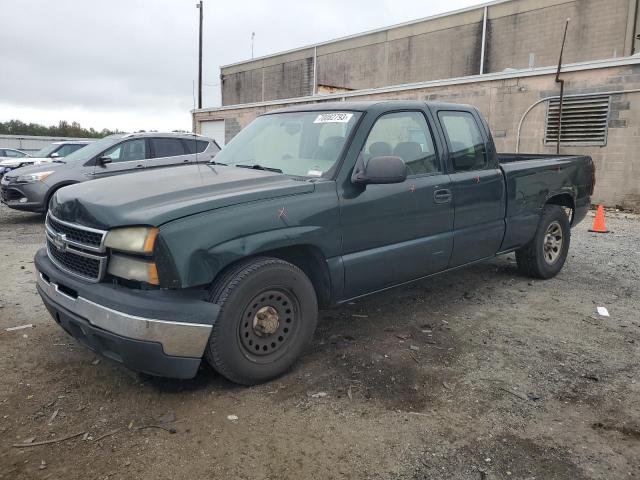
{"type": "Point", "coordinates": [476, 374]}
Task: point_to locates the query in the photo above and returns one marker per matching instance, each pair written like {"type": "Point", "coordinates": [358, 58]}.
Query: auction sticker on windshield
{"type": "Point", "coordinates": [339, 117]}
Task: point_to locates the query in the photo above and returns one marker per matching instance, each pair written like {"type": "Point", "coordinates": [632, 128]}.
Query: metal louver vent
{"type": "Point", "coordinates": [584, 120]}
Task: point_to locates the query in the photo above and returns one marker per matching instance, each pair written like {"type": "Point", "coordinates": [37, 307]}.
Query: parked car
{"type": "Point", "coordinates": [31, 188]}
{"type": "Point", "coordinates": [48, 154]}
{"type": "Point", "coordinates": [11, 156]}
{"type": "Point", "coordinates": [12, 153]}
{"type": "Point", "coordinates": [306, 207]}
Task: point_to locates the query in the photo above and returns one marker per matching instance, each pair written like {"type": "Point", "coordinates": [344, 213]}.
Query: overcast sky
{"type": "Point", "coordinates": [131, 64]}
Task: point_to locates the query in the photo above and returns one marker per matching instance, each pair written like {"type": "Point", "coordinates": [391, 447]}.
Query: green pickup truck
{"type": "Point", "coordinates": [306, 208]}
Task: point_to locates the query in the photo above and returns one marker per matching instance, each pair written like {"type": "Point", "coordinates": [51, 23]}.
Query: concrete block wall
{"type": "Point", "coordinates": [520, 34]}
{"type": "Point", "coordinates": [504, 102]}
{"type": "Point", "coordinates": [517, 36]}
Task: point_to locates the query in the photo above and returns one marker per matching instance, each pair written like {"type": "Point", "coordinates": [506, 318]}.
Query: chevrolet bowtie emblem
{"type": "Point", "coordinates": [60, 241]}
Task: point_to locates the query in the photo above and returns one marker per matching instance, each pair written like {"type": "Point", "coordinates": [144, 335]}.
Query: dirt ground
{"type": "Point", "coordinates": [476, 374]}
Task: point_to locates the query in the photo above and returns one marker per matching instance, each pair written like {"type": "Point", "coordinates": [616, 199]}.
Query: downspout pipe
{"type": "Point", "coordinates": [561, 82]}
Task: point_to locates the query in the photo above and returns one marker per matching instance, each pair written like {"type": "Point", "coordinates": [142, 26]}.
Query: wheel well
{"type": "Point", "coordinates": [307, 258]}
{"type": "Point", "coordinates": [563, 200]}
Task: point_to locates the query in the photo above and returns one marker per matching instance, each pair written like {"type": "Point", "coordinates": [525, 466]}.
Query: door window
{"type": "Point", "coordinates": [466, 143]}
{"type": "Point", "coordinates": [405, 135]}
{"type": "Point", "coordinates": [167, 147]}
{"type": "Point", "coordinates": [127, 151]}
{"type": "Point", "coordinates": [196, 146]}
{"type": "Point", "coordinates": [65, 150]}
{"type": "Point", "coordinates": [13, 153]}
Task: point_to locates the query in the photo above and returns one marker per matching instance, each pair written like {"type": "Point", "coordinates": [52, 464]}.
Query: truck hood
{"type": "Point", "coordinates": [161, 195]}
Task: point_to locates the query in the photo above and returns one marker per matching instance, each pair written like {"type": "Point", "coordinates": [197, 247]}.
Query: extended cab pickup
{"type": "Point", "coordinates": [306, 208]}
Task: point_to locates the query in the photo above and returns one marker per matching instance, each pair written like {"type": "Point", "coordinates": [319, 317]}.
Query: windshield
{"type": "Point", "coordinates": [306, 144]}
{"type": "Point", "coordinates": [46, 151]}
{"type": "Point", "coordinates": [92, 149]}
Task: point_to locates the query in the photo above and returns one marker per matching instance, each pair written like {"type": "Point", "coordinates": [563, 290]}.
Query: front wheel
{"type": "Point", "coordinates": [544, 256]}
{"type": "Point", "coordinates": [268, 313]}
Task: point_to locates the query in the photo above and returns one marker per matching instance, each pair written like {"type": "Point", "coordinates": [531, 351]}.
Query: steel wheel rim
{"type": "Point", "coordinates": [552, 244]}
{"type": "Point", "coordinates": [268, 324]}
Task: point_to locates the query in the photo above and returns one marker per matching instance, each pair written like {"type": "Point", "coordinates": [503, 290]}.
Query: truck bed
{"type": "Point", "coordinates": [532, 179]}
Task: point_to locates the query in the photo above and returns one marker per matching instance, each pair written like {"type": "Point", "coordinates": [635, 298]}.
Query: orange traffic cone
{"type": "Point", "coordinates": [598, 222]}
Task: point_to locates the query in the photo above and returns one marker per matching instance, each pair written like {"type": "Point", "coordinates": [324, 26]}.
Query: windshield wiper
{"type": "Point", "coordinates": [260, 167]}
{"type": "Point", "coordinates": [213, 162]}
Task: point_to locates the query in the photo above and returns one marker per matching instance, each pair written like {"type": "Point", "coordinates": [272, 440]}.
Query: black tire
{"type": "Point", "coordinates": [267, 290]}
{"type": "Point", "coordinates": [543, 257]}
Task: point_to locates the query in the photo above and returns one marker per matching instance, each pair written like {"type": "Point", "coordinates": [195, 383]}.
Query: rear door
{"type": "Point", "coordinates": [127, 156]}
{"type": "Point", "coordinates": [477, 185]}
{"type": "Point", "coordinates": [167, 152]}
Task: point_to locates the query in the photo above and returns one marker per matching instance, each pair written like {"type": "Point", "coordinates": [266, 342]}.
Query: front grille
{"type": "Point", "coordinates": [77, 249]}
{"type": "Point", "coordinates": [90, 238]}
{"type": "Point", "coordinates": [75, 262]}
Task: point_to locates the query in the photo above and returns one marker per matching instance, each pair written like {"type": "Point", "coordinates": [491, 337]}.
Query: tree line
{"type": "Point", "coordinates": [63, 129]}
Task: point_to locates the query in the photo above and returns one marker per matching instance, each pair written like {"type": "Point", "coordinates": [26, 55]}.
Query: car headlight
{"type": "Point", "coordinates": [33, 177]}
{"type": "Point", "coordinates": [133, 269]}
{"type": "Point", "coordinates": [132, 239]}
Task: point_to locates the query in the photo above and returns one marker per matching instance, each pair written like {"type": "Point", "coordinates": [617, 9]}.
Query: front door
{"type": "Point", "coordinates": [478, 189]}
{"type": "Point", "coordinates": [125, 157]}
{"type": "Point", "coordinates": [399, 232]}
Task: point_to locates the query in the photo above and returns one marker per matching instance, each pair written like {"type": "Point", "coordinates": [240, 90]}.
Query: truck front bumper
{"type": "Point", "coordinates": [159, 332]}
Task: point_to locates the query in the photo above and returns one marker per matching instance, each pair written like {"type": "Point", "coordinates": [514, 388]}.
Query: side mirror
{"type": "Point", "coordinates": [54, 155]}
{"type": "Point", "coordinates": [379, 170]}
{"type": "Point", "coordinates": [104, 160]}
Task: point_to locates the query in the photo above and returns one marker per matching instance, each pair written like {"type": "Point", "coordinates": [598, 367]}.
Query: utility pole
{"type": "Point", "coordinates": [253, 36]}
{"type": "Point", "coordinates": [199, 6]}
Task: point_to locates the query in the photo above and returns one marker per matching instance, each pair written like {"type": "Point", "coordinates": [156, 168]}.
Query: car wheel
{"type": "Point", "coordinates": [268, 313]}
{"type": "Point", "coordinates": [544, 256]}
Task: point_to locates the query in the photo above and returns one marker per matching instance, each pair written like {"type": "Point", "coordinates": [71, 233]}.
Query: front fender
{"type": "Point", "coordinates": [202, 245]}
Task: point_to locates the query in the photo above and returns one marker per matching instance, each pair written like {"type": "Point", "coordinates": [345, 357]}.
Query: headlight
{"type": "Point", "coordinates": [133, 269]}
{"type": "Point", "coordinates": [132, 239]}
{"type": "Point", "coordinates": [33, 177]}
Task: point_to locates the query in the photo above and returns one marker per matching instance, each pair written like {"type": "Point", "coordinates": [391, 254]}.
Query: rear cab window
{"type": "Point", "coordinates": [467, 148]}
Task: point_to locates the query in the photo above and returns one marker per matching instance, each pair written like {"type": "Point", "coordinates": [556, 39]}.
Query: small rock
{"type": "Point", "coordinates": [319, 395]}
{"type": "Point", "coordinates": [232, 418]}
{"type": "Point", "coordinates": [414, 348]}
{"type": "Point", "coordinates": [43, 465]}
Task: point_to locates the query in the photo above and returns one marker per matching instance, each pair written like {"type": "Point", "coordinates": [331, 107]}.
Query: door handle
{"type": "Point", "coordinates": [443, 195]}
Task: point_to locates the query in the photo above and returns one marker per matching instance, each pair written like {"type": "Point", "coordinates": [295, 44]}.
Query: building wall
{"type": "Point", "coordinates": [504, 102]}
{"type": "Point", "coordinates": [520, 34]}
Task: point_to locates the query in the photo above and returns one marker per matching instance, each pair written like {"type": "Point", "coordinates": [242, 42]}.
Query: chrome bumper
{"type": "Point", "coordinates": [177, 338]}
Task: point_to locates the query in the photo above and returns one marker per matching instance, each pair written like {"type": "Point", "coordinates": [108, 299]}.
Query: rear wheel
{"type": "Point", "coordinates": [268, 313]}
{"type": "Point", "coordinates": [544, 256]}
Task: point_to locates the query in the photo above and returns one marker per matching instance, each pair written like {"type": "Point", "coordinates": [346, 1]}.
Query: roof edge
{"type": "Point", "coordinates": [486, 77]}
